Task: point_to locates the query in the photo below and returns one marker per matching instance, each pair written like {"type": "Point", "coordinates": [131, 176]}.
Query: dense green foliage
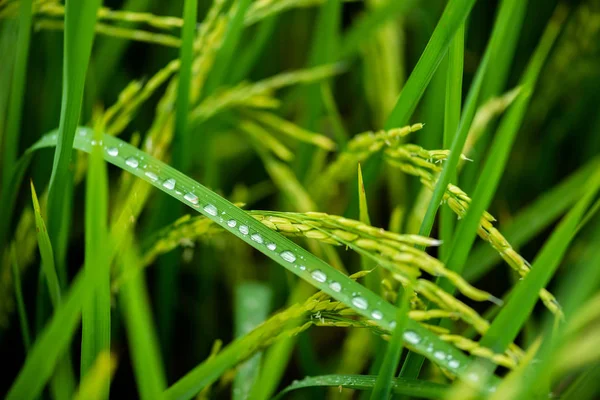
{"type": "Point", "coordinates": [299, 199]}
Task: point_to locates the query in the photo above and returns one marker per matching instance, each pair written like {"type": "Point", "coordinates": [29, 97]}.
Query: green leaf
{"type": "Point", "coordinates": [498, 156]}
{"type": "Point", "coordinates": [252, 305]}
{"type": "Point", "coordinates": [51, 345]}
{"type": "Point", "coordinates": [385, 378]}
{"type": "Point", "coordinates": [46, 251]}
{"type": "Point", "coordinates": [23, 319]}
{"type": "Point", "coordinates": [80, 20]}
{"type": "Point", "coordinates": [453, 17]}
{"type": "Point", "coordinates": [495, 44]}
{"type": "Point", "coordinates": [182, 147]}
{"type": "Point", "coordinates": [508, 323]}
{"type": "Point", "coordinates": [95, 314]}
{"type": "Point", "coordinates": [143, 344]}
{"type": "Point", "coordinates": [17, 96]}
{"type": "Point", "coordinates": [409, 387]}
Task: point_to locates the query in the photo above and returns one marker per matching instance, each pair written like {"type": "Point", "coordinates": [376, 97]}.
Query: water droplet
{"type": "Point", "coordinates": [132, 162]}
{"type": "Point", "coordinates": [153, 177]}
{"type": "Point", "coordinates": [271, 246]}
{"type": "Point", "coordinates": [169, 184]}
{"type": "Point", "coordinates": [453, 364]}
{"type": "Point", "coordinates": [335, 286]}
{"type": "Point", "coordinates": [393, 324]}
{"type": "Point", "coordinates": [411, 337]}
{"type": "Point", "coordinates": [212, 210]}
{"type": "Point", "coordinates": [232, 223]}
{"type": "Point", "coordinates": [360, 303]}
{"type": "Point", "coordinates": [302, 268]}
{"type": "Point", "coordinates": [377, 315]}
{"type": "Point", "coordinates": [318, 275]}
{"type": "Point", "coordinates": [288, 256]}
{"type": "Point", "coordinates": [473, 376]}
{"type": "Point", "coordinates": [112, 151]}
{"type": "Point", "coordinates": [257, 238]}
{"type": "Point", "coordinates": [191, 197]}
{"type": "Point", "coordinates": [244, 229]}
{"type": "Point", "coordinates": [440, 355]}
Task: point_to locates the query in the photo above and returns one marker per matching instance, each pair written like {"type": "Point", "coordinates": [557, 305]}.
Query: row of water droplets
{"type": "Point", "coordinates": [287, 255]}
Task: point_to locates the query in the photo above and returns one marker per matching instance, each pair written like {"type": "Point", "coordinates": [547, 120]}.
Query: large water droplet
{"type": "Point", "coordinates": [440, 355]}
{"type": "Point", "coordinates": [257, 238]}
{"type": "Point", "coordinates": [318, 275]}
{"type": "Point", "coordinates": [376, 314]}
{"type": "Point", "coordinates": [288, 256]}
{"type": "Point", "coordinates": [411, 337]}
{"type": "Point", "coordinates": [271, 246]}
{"type": "Point", "coordinates": [112, 151]}
{"type": "Point", "coordinates": [132, 162]}
{"type": "Point", "coordinates": [232, 223]}
{"type": "Point", "coordinates": [153, 177]}
{"type": "Point", "coordinates": [335, 286]}
{"type": "Point", "coordinates": [453, 364]}
{"type": "Point", "coordinates": [169, 184]}
{"type": "Point", "coordinates": [244, 229]}
{"type": "Point", "coordinates": [191, 197]}
{"type": "Point", "coordinates": [360, 302]}
{"type": "Point", "coordinates": [210, 209]}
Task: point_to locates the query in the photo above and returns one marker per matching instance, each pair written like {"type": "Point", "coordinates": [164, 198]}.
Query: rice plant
{"type": "Point", "coordinates": [299, 199]}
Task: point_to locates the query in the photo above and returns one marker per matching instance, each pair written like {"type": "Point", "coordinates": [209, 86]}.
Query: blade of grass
{"type": "Point", "coordinates": [385, 378]}
{"type": "Point", "coordinates": [223, 61]}
{"type": "Point", "coordinates": [498, 156]}
{"type": "Point", "coordinates": [46, 252]}
{"type": "Point", "coordinates": [51, 345]}
{"type": "Point", "coordinates": [95, 314]}
{"type": "Point", "coordinates": [80, 19]}
{"type": "Point", "coordinates": [564, 346]}
{"type": "Point", "coordinates": [451, 122]}
{"type": "Point", "coordinates": [495, 81]}
{"type": "Point", "coordinates": [453, 17]}
{"type": "Point", "coordinates": [401, 386]}
{"type": "Point", "coordinates": [533, 219]}
{"type": "Point", "coordinates": [455, 133]}
{"type": "Point", "coordinates": [286, 253]}
{"type": "Point", "coordinates": [169, 264]}
{"type": "Point", "coordinates": [63, 382]}
{"type": "Point", "coordinates": [17, 94]}
{"type": "Point", "coordinates": [95, 384]}
{"type": "Point", "coordinates": [277, 356]}
{"type": "Point", "coordinates": [503, 22]}
{"type": "Point", "coordinates": [513, 315]}
{"type": "Point", "coordinates": [182, 148]}
{"type": "Point", "coordinates": [23, 320]}
{"type": "Point", "coordinates": [143, 343]}
{"type": "Point", "coordinates": [252, 305]}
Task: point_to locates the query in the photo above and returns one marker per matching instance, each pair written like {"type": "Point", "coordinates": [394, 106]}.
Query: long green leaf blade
{"type": "Point", "coordinates": [401, 386]}
{"type": "Point", "coordinates": [496, 160]}
{"type": "Point", "coordinates": [51, 345]}
{"type": "Point", "coordinates": [80, 21]}
{"type": "Point", "coordinates": [95, 314]}
{"type": "Point", "coordinates": [454, 16]}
